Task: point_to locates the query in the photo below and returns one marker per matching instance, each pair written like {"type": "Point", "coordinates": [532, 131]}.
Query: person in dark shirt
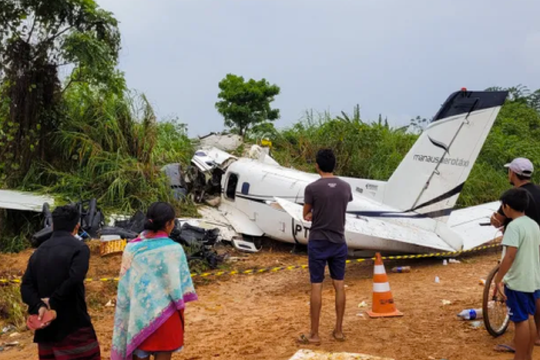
{"type": "Point", "coordinates": [520, 171]}
{"type": "Point", "coordinates": [325, 205]}
{"type": "Point", "coordinates": [519, 175]}
{"type": "Point", "coordinates": [54, 279]}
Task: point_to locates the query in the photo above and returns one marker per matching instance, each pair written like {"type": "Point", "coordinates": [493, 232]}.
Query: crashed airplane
{"type": "Point", "coordinates": [412, 212]}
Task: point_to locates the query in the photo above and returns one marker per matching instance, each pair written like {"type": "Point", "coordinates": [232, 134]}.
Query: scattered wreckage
{"type": "Point", "coordinates": [198, 242]}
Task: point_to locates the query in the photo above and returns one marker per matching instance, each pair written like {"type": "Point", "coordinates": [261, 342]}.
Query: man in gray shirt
{"type": "Point", "coordinates": [325, 205]}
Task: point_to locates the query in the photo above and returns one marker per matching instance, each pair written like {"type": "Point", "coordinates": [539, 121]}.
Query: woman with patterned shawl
{"type": "Point", "coordinates": [155, 284]}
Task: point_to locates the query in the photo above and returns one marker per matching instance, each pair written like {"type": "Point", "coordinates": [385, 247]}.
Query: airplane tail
{"type": "Point", "coordinates": [431, 176]}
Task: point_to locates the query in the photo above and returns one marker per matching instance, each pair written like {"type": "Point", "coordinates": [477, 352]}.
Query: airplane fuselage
{"type": "Point", "coordinates": [249, 189]}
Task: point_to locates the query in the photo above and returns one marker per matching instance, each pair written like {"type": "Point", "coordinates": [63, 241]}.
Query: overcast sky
{"type": "Point", "coordinates": [394, 57]}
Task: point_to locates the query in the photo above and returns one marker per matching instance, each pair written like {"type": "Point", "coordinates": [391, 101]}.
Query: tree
{"type": "Point", "coordinates": [245, 104]}
{"type": "Point", "coordinates": [418, 124]}
{"type": "Point", "coordinates": [37, 39]}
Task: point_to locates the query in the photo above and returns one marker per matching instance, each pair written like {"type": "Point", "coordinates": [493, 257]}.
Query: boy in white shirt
{"type": "Point", "coordinates": [519, 274]}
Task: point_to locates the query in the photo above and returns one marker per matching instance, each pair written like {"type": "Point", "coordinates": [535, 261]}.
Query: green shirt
{"type": "Point", "coordinates": [524, 274]}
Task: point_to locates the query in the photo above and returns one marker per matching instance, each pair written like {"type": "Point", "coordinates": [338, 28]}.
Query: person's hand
{"type": "Point", "coordinates": [496, 220]}
{"type": "Point", "coordinates": [308, 217]}
{"type": "Point", "coordinates": [41, 314]}
{"type": "Point", "coordinates": [500, 290]}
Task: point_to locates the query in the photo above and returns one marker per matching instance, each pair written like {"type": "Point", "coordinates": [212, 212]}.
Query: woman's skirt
{"type": "Point", "coordinates": [169, 337]}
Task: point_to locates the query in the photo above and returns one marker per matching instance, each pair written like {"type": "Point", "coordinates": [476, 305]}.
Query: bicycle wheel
{"type": "Point", "coordinates": [494, 310]}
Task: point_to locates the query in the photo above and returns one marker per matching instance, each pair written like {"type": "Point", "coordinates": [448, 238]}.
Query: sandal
{"type": "Point", "coordinates": [504, 348]}
{"type": "Point", "coordinates": [303, 339]}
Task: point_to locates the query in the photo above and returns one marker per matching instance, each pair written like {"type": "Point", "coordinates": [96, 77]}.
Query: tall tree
{"type": "Point", "coordinates": [245, 104]}
{"type": "Point", "coordinates": [37, 39]}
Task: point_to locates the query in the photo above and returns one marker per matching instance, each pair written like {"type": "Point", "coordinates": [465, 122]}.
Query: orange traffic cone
{"type": "Point", "coordinates": [383, 301]}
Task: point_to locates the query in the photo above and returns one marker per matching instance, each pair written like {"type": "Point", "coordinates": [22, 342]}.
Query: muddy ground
{"type": "Point", "coordinates": [259, 316]}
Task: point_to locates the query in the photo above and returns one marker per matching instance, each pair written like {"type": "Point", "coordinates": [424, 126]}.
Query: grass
{"type": "Point", "coordinates": [112, 148]}
{"type": "Point", "coordinates": [12, 309]}
{"type": "Point", "coordinates": [17, 228]}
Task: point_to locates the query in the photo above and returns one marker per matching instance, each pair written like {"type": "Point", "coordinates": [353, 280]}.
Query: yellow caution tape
{"type": "Point", "coordinates": [293, 267]}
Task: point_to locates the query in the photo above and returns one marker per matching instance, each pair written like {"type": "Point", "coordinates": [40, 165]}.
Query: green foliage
{"type": "Point", "coordinates": [12, 309]}
{"type": "Point", "coordinates": [89, 138]}
{"type": "Point", "coordinates": [111, 147]}
{"type": "Point", "coordinates": [365, 150]}
{"type": "Point", "coordinates": [173, 144]}
{"type": "Point", "coordinates": [17, 227]}
{"type": "Point", "coordinates": [246, 104]}
{"type": "Point", "coordinates": [36, 39]}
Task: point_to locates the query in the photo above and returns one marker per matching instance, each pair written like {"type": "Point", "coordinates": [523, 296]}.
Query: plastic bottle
{"type": "Point", "coordinates": [402, 269]}
{"type": "Point", "coordinates": [470, 314]}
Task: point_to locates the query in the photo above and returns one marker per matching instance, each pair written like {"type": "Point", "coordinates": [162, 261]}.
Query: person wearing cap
{"type": "Point", "coordinates": [520, 171]}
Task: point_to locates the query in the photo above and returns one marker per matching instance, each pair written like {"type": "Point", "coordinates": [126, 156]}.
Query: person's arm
{"type": "Point", "coordinates": [308, 201]}
{"type": "Point", "coordinates": [506, 264]}
{"type": "Point", "coordinates": [77, 274]}
{"type": "Point", "coordinates": [29, 292]}
{"type": "Point", "coordinates": [511, 241]}
{"type": "Point", "coordinates": [498, 218]}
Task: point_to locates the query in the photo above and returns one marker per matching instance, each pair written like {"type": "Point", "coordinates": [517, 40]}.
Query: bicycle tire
{"type": "Point", "coordinates": [492, 330]}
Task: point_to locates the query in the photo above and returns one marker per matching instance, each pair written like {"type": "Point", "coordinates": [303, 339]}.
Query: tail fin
{"type": "Point", "coordinates": [432, 174]}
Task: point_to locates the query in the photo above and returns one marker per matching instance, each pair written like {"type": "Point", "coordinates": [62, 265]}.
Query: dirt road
{"type": "Point", "coordinates": [259, 316]}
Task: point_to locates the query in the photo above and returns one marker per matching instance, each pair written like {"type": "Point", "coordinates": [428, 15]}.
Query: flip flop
{"type": "Point", "coordinates": [303, 339]}
{"type": "Point", "coordinates": [504, 348]}
{"type": "Point", "coordinates": [338, 338]}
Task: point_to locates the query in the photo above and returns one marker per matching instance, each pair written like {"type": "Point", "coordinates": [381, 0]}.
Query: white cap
{"type": "Point", "coordinates": [521, 166]}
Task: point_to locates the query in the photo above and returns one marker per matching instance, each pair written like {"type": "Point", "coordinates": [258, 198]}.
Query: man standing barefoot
{"type": "Point", "coordinates": [325, 205]}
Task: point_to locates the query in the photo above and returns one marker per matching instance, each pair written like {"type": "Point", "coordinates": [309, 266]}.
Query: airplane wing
{"type": "Point", "coordinates": [467, 223]}
{"type": "Point", "coordinates": [373, 234]}
{"type": "Point", "coordinates": [18, 200]}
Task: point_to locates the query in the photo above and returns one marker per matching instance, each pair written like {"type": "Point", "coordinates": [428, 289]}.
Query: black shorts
{"type": "Point", "coordinates": [322, 251]}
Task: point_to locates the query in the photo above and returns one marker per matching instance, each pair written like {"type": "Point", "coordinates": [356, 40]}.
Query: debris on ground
{"type": "Point", "coordinates": [7, 329]}
{"type": "Point", "coordinates": [362, 304]}
{"type": "Point", "coordinates": [401, 269]}
{"type": "Point", "coordinates": [476, 324]}
{"type": "Point", "coordinates": [319, 355]}
{"type": "Point", "coordinates": [470, 314]}
{"type": "Point", "coordinates": [446, 302]}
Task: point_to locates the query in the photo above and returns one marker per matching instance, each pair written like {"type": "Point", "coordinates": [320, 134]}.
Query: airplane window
{"type": "Point", "coordinates": [245, 188]}
{"type": "Point", "coordinates": [231, 186]}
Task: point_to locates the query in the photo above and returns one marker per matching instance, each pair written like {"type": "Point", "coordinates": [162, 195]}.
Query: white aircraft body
{"type": "Point", "coordinates": [412, 212]}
